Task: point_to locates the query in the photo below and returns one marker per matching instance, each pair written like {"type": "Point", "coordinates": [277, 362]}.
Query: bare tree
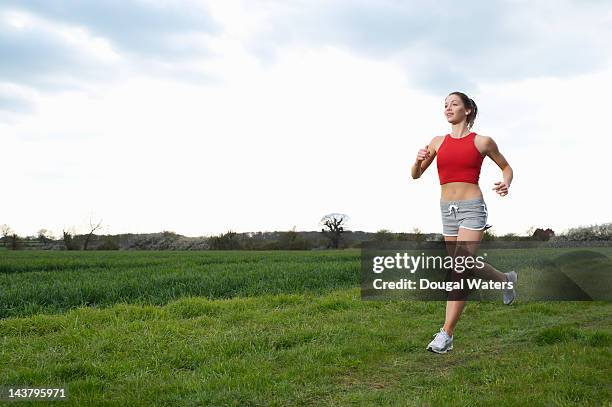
{"type": "Point", "coordinates": [92, 228]}
{"type": "Point", "coordinates": [334, 222]}
{"type": "Point", "coordinates": [45, 235]}
{"type": "Point", "coordinates": [418, 235]}
{"type": "Point", "coordinates": [6, 232]}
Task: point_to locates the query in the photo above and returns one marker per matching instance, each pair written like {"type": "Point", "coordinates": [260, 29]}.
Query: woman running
{"type": "Point", "coordinates": [464, 211]}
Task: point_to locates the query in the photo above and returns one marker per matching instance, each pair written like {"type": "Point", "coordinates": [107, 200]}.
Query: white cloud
{"type": "Point", "coordinates": [266, 146]}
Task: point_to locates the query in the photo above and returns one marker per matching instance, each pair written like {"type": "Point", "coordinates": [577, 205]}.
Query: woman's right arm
{"type": "Point", "coordinates": [424, 158]}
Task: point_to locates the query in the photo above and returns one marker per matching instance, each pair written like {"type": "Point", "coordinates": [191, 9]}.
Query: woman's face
{"type": "Point", "coordinates": [454, 110]}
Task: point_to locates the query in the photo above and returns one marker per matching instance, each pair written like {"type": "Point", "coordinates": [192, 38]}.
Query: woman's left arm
{"type": "Point", "coordinates": [491, 149]}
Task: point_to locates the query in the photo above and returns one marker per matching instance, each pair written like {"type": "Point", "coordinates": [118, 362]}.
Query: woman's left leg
{"type": "Point", "coordinates": [471, 242]}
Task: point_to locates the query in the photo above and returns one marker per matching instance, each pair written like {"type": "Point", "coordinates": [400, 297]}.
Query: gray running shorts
{"type": "Point", "coordinates": [469, 214]}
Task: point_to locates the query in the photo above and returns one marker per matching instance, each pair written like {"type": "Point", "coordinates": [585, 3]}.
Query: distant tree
{"type": "Point", "coordinates": [292, 240]}
{"type": "Point", "coordinates": [69, 241]}
{"type": "Point", "coordinates": [14, 242]}
{"type": "Point", "coordinates": [418, 235]}
{"type": "Point", "coordinates": [543, 235]}
{"type": "Point", "coordinates": [45, 236]}
{"type": "Point", "coordinates": [593, 232]}
{"type": "Point", "coordinates": [334, 222]}
{"type": "Point", "coordinates": [403, 237]}
{"type": "Point", "coordinates": [384, 235]}
{"type": "Point", "coordinates": [168, 234]}
{"type": "Point", "coordinates": [226, 241]}
{"type": "Point", "coordinates": [92, 228]}
{"type": "Point", "coordinates": [6, 232]}
{"type": "Point", "coordinates": [109, 244]}
{"type": "Point", "coordinates": [488, 236]}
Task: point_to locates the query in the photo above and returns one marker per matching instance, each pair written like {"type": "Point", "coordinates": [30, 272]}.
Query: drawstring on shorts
{"type": "Point", "coordinates": [450, 209]}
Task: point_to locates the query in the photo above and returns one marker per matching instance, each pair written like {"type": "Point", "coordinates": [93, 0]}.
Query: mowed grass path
{"type": "Point", "coordinates": [319, 344]}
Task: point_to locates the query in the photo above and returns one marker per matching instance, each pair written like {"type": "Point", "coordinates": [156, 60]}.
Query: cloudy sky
{"type": "Point", "coordinates": [200, 117]}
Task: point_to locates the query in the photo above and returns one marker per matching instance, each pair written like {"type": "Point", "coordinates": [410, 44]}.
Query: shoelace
{"type": "Point", "coordinates": [442, 335]}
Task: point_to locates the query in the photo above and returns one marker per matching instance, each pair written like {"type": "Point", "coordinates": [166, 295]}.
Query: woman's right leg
{"type": "Point", "coordinates": [453, 312]}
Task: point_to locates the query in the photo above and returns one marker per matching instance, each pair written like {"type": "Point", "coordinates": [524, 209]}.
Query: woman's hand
{"type": "Point", "coordinates": [501, 188]}
{"type": "Point", "coordinates": [423, 154]}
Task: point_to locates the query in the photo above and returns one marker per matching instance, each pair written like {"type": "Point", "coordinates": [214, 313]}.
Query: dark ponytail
{"type": "Point", "coordinates": [470, 105]}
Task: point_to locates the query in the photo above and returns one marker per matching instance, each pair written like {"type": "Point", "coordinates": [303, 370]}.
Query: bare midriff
{"type": "Point", "coordinates": [458, 191]}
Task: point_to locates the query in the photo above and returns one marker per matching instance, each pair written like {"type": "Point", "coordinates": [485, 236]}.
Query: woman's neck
{"type": "Point", "coordinates": [460, 130]}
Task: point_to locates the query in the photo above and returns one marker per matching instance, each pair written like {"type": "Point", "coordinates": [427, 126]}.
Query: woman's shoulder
{"type": "Point", "coordinates": [484, 143]}
{"type": "Point", "coordinates": [436, 141]}
{"type": "Point", "coordinates": [482, 139]}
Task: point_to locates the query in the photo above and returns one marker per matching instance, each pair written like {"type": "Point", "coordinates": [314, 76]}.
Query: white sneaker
{"type": "Point", "coordinates": [510, 294]}
{"type": "Point", "coordinates": [441, 343]}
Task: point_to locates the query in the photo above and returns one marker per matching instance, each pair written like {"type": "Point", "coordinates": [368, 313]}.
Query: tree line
{"type": "Point", "coordinates": [332, 235]}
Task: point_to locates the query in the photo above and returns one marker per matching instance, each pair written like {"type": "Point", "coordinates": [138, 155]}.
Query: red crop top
{"type": "Point", "coordinates": [459, 160]}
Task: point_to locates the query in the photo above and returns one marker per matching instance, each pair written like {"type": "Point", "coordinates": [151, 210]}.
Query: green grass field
{"type": "Point", "coordinates": [279, 328]}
